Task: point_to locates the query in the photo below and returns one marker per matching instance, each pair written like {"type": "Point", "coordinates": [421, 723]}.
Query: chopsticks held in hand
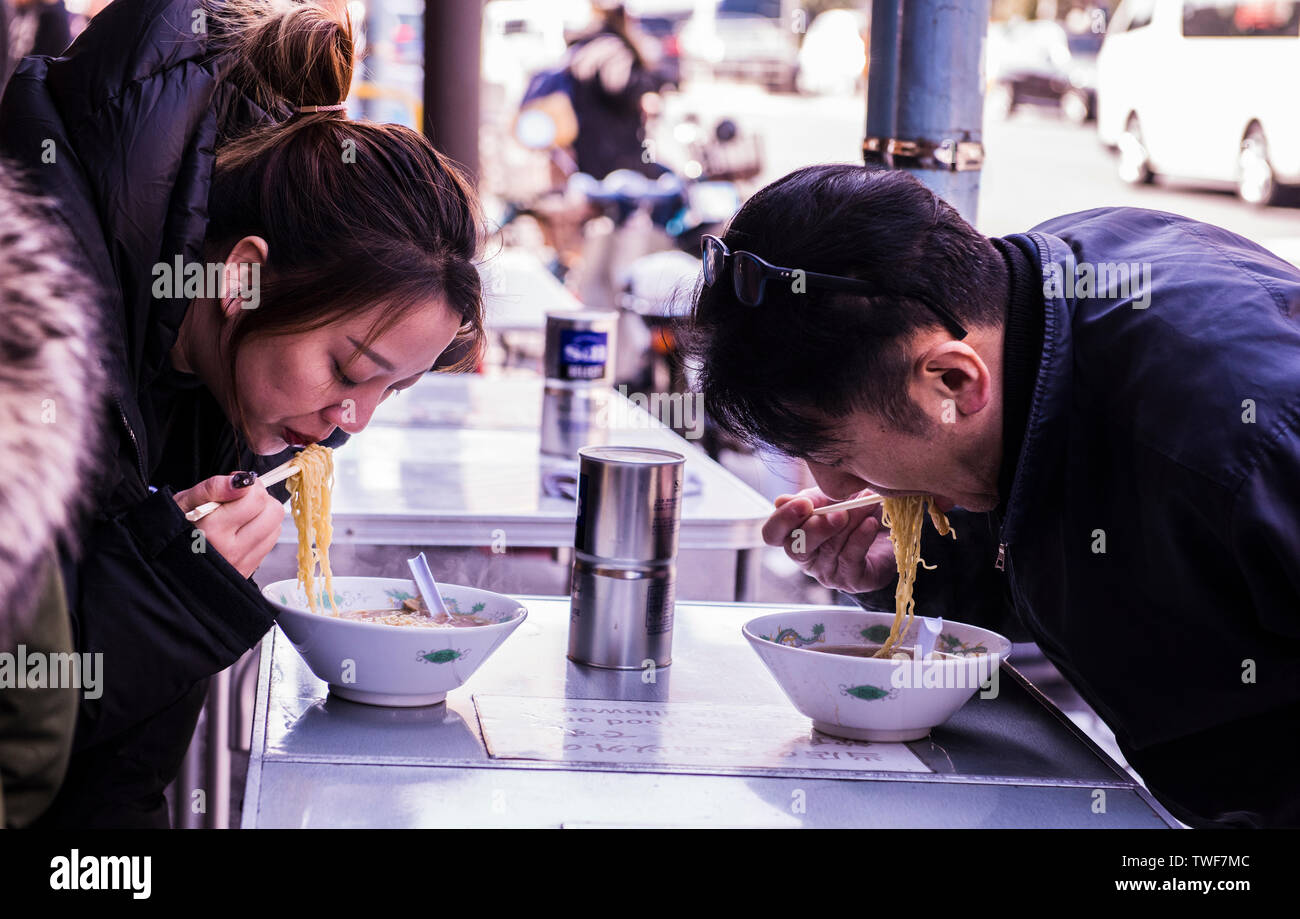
{"type": "Point", "coordinates": [860, 501]}
{"type": "Point", "coordinates": [278, 474]}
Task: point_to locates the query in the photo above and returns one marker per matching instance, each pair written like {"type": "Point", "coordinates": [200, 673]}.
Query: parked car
{"type": "Point", "coordinates": [740, 46]}
{"type": "Point", "coordinates": [1204, 90]}
{"type": "Point", "coordinates": [1040, 63]}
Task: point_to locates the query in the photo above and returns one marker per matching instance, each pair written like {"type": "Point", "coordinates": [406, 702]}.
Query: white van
{"type": "Point", "coordinates": [1205, 90]}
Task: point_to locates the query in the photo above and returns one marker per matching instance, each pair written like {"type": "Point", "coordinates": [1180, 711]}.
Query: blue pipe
{"type": "Point", "coordinates": [882, 71]}
{"type": "Point", "coordinates": [935, 91]}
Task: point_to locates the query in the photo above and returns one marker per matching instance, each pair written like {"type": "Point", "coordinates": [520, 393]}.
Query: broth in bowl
{"type": "Point", "coordinates": [414, 614]}
{"type": "Point", "coordinates": [871, 651]}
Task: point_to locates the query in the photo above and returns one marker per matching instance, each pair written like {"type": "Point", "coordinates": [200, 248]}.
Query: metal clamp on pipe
{"type": "Point", "coordinates": [947, 155]}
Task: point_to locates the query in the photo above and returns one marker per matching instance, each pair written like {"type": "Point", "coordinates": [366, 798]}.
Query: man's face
{"type": "Point", "coordinates": [874, 458]}
{"type": "Point", "coordinates": [954, 456]}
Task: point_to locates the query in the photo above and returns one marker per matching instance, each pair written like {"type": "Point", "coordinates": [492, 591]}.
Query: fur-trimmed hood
{"type": "Point", "coordinates": [50, 391]}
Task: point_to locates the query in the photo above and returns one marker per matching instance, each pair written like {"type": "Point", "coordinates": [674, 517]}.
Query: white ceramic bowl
{"type": "Point", "coordinates": [865, 698]}
{"type": "Point", "coordinates": [392, 665]}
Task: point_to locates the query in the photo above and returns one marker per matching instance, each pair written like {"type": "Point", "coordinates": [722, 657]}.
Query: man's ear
{"type": "Point", "coordinates": [951, 379]}
{"type": "Point", "coordinates": [242, 274]}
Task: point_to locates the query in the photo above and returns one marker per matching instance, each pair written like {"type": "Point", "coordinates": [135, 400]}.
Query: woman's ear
{"type": "Point", "coordinates": [242, 276]}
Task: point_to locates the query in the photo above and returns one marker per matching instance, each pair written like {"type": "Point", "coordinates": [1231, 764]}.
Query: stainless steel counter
{"type": "Point", "coordinates": [1013, 760]}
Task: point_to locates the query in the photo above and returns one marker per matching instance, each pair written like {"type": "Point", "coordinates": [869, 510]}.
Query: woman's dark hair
{"type": "Point", "coordinates": [356, 215]}
{"type": "Point", "coordinates": [779, 374]}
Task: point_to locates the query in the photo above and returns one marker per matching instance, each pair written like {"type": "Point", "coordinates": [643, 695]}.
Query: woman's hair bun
{"type": "Point", "coordinates": [301, 53]}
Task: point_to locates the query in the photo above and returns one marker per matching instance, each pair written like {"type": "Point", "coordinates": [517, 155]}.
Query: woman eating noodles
{"type": "Point", "coordinates": [269, 271]}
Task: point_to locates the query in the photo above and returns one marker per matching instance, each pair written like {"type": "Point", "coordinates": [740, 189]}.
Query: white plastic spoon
{"type": "Point", "coordinates": [427, 586]}
{"type": "Point", "coordinates": [927, 635]}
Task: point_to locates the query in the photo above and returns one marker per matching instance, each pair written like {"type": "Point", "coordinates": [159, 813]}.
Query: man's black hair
{"type": "Point", "coordinates": [777, 374]}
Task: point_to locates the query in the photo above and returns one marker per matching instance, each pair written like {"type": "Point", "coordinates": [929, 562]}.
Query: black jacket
{"type": "Point", "coordinates": [120, 134]}
{"type": "Point", "coordinates": [1150, 540]}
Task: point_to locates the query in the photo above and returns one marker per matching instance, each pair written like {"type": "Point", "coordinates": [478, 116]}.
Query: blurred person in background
{"type": "Point", "coordinates": [38, 27]}
{"type": "Point", "coordinates": [165, 148]}
{"type": "Point", "coordinates": [49, 407]}
{"type": "Point", "coordinates": [610, 78]}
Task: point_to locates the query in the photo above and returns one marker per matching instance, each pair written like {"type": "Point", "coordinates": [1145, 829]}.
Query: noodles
{"type": "Point", "coordinates": [309, 499]}
{"type": "Point", "coordinates": [905, 517]}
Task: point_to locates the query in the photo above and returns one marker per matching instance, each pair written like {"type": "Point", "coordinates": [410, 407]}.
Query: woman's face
{"type": "Point", "coordinates": [296, 389]}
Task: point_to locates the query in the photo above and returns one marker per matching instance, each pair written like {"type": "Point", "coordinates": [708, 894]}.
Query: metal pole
{"type": "Point", "coordinates": [882, 72]}
{"type": "Point", "coordinates": [217, 752]}
{"type": "Point", "coordinates": [452, 40]}
{"type": "Point", "coordinates": [189, 778]}
{"type": "Point", "coordinates": [749, 571]}
{"type": "Point", "coordinates": [939, 95]}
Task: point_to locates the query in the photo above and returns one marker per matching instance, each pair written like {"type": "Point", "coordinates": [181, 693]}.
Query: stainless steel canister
{"type": "Point", "coordinates": [579, 365]}
{"type": "Point", "coordinates": [625, 557]}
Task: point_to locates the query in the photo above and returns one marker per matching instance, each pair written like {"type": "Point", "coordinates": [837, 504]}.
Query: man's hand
{"type": "Point", "coordinates": [246, 526]}
{"type": "Point", "coordinates": [843, 550]}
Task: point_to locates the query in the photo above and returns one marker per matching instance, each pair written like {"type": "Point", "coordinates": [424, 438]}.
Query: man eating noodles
{"type": "Point", "coordinates": [1111, 402]}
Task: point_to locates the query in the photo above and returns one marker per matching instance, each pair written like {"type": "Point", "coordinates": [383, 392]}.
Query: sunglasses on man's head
{"type": "Point", "coordinates": [750, 274]}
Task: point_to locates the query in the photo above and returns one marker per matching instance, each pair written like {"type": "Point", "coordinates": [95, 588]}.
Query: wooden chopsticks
{"type": "Point", "coordinates": [860, 501]}
{"type": "Point", "coordinates": [278, 474]}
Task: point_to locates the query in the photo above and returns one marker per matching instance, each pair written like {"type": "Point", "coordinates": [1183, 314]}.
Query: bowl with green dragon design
{"type": "Point", "coordinates": [822, 660]}
{"type": "Point", "coordinates": [378, 644]}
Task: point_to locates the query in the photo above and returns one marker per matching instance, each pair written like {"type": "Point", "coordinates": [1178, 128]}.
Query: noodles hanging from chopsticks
{"type": "Point", "coordinates": [309, 499]}
{"type": "Point", "coordinates": [905, 517]}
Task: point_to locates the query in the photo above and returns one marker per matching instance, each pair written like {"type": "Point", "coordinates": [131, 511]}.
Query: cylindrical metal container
{"type": "Point", "coordinates": [625, 557]}
{"type": "Point", "coordinates": [573, 418]}
{"type": "Point", "coordinates": [579, 366]}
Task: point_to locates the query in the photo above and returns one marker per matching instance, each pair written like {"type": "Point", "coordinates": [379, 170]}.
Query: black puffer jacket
{"type": "Point", "coordinates": [121, 133]}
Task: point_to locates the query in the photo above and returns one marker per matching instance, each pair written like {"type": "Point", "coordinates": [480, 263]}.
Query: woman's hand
{"type": "Point", "coordinates": [246, 526]}
{"type": "Point", "coordinates": [843, 550]}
